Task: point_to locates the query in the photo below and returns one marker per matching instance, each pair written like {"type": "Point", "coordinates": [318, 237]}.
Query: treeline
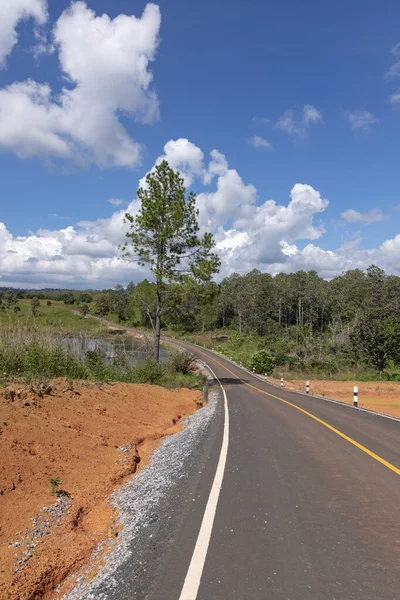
{"type": "Point", "coordinates": [302, 321]}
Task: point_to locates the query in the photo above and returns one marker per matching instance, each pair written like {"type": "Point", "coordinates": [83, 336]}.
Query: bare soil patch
{"type": "Point", "coordinates": [93, 438]}
{"type": "Point", "coordinates": [380, 396]}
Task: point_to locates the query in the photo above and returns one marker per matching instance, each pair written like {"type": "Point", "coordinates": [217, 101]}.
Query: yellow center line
{"type": "Point", "coordinates": [337, 431]}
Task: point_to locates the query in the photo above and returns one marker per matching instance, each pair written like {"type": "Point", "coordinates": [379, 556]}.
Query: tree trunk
{"type": "Point", "coordinates": [157, 330]}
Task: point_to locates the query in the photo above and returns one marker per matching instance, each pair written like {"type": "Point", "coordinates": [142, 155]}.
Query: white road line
{"type": "Point", "coordinates": [193, 577]}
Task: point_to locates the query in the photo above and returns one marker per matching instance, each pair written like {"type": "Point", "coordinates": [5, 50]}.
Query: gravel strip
{"type": "Point", "coordinates": [148, 504]}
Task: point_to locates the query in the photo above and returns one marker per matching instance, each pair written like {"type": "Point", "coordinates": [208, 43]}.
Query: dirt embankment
{"type": "Point", "coordinates": [379, 396]}
{"type": "Point", "coordinates": [92, 438]}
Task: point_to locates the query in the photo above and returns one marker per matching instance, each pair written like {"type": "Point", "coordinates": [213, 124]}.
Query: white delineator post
{"type": "Point", "coordinates": [281, 381]}
{"type": "Point", "coordinates": [355, 396]}
{"type": "Point", "coordinates": [307, 387]}
{"type": "Point", "coordinates": [254, 370]}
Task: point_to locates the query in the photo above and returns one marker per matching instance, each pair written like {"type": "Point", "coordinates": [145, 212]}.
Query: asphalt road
{"type": "Point", "coordinates": [308, 507]}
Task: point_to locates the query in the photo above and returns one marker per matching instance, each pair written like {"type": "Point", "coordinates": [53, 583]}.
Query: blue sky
{"type": "Point", "coordinates": [222, 72]}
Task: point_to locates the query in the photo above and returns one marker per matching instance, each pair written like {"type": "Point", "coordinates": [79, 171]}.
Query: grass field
{"type": "Point", "coordinates": [58, 316]}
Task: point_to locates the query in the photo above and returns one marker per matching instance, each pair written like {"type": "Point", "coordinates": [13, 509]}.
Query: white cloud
{"type": "Point", "coordinates": [106, 64]}
{"type": "Point", "coordinates": [361, 120]}
{"type": "Point", "coordinates": [353, 216]}
{"type": "Point", "coordinates": [232, 200]}
{"type": "Point", "coordinates": [11, 13]}
{"type": "Point", "coordinates": [394, 70]}
{"type": "Point", "coordinates": [259, 142]}
{"type": "Point", "coordinates": [217, 166]}
{"type": "Point", "coordinates": [115, 201]}
{"type": "Point", "coordinates": [395, 97]}
{"type": "Point", "coordinates": [271, 236]}
{"type": "Point", "coordinates": [297, 123]}
{"type": "Point", "coordinates": [188, 159]}
{"type": "Point", "coordinates": [83, 255]}
{"type": "Point", "coordinates": [311, 114]}
{"type": "Point", "coordinates": [185, 157]}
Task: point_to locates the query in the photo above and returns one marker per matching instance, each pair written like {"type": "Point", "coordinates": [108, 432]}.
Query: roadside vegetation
{"type": "Point", "coordinates": [44, 313]}
{"type": "Point", "coordinates": [33, 355]}
{"type": "Point", "coordinates": [297, 325]}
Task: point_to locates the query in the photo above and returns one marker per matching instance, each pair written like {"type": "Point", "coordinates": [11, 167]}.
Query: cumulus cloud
{"type": "Point", "coordinates": [270, 230]}
{"type": "Point", "coordinates": [105, 62]}
{"type": "Point", "coordinates": [259, 142]}
{"type": "Point", "coordinates": [115, 201]}
{"type": "Point", "coordinates": [11, 13]}
{"type": "Point", "coordinates": [353, 216]}
{"type": "Point", "coordinates": [183, 156]}
{"type": "Point", "coordinates": [361, 120]}
{"type": "Point", "coordinates": [249, 232]}
{"type": "Point", "coordinates": [82, 255]}
{"type": "Point", "coordinates": [187, 158]}
{"type": "Point", "coordinates": [296, 123]}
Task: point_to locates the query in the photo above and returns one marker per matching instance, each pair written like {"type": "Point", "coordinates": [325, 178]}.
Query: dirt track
{"type": "Point", "coordinates": [90, 437]}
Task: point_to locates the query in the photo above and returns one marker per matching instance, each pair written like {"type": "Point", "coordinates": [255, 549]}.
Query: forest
{"type": "Point", "coordinates": [297, 322]}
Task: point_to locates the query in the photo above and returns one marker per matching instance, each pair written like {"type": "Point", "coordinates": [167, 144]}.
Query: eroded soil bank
{"type": "Point", "coordinates": [92, 438]}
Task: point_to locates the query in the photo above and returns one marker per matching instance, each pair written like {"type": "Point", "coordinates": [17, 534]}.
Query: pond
{"type": "Point", "coordinates": [131, 349]}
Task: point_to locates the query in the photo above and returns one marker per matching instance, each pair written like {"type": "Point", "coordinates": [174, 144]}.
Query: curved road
{"type": "Point", "coordinates": [308, 508]}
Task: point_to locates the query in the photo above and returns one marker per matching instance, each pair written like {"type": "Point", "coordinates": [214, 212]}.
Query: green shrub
{"type": "Point", "coordinates": [149, 372]}
{"type": "Point", "coordinates": [262, 362]}
{"type": "Point", "coordinates": [55, 482]}
{"type": "Point", "coordinates": [95, 366]}
{"type": "Point", "coordinates": [181, 362]}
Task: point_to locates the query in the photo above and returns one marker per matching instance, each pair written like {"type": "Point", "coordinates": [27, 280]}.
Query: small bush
{"type": "Point", "coordinates": [262, 362]}
{"type": "Point", "coordinates": [149, 372]}
{"type": "Point", "coordinates": [55, 482]}
{"type": "Point", "coordinates": [181, 362]}
{"type": "Point", "coordinates": [95, 366]}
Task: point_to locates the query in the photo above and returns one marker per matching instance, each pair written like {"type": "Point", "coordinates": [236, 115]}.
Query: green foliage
{"type": "Point", "coordinates": [84, 298]}
{"type": "Point", "coordinates": [95, 366]}
{"type": "Point", "coordinates": [309, 325]}
{"type": "Point", "coordinates": [55, 483]}
{"type": "Point", "coordinates": [10, 298]}
{"type": "Point", "coordinates": [58, 316]}
{"type": "Point", "coordinates": [262, 362]}
{"type": "Point", "coordinates": [377, 336]}
{"type": "Point", "coordinates": [84, 310]}
{"type": "Point", "coordinates": [103, 304]}
{"type": "Point", "coordinates": [44, 355]}
{"type": "Point", "coordinates": [141, 305]}
{"type": "Point", "coordinates": [150, 371]}
{"type": "Point", "coordinates": [35, 303]}
{"type": "Point", "coordinates": [181, 361]}
{"type": "Point", "coordinates": [164, 236]}
{"type": "Point", "coordinates": [68, 298]}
